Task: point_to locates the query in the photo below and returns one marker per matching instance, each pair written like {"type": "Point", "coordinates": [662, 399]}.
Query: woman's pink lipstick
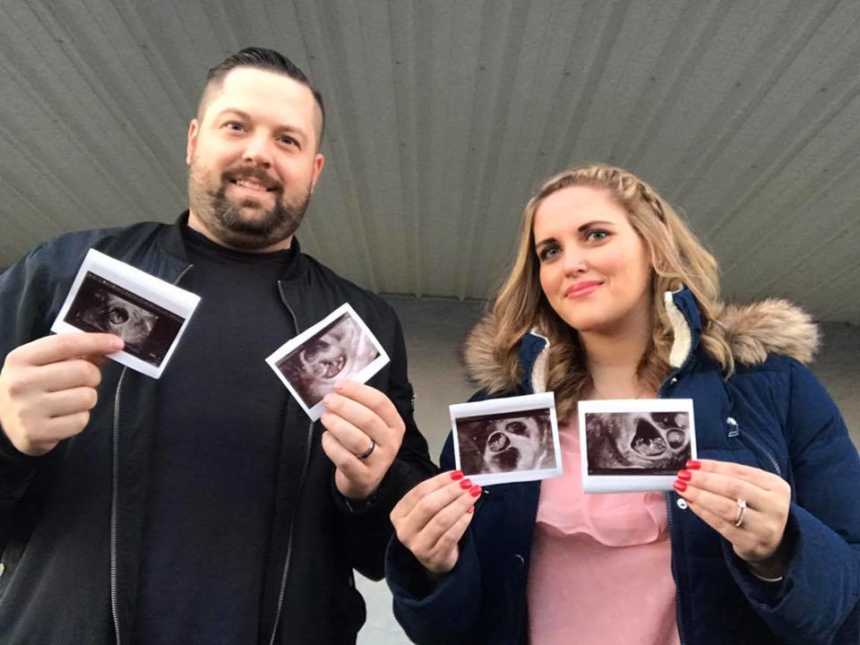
{"type": "Point", "coordinates": [581, 288]}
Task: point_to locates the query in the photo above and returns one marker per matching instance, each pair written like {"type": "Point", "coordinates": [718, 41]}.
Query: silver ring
{"type": "Point", "coordinates": [742, 509]}
{"type": "Point", "coordinates": [367, 452]}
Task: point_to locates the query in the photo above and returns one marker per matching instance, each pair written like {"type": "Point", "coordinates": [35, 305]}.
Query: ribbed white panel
{"type": "Point", "coordinates": [443, 115]}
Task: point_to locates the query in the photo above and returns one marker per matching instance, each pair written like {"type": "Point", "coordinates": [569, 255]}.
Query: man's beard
{"type": "Point", "coordinates": [223, 217]}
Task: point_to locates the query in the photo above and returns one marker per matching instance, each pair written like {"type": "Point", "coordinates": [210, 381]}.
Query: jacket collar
{"type": "Point", "coordinates": [171, 242]}
{"type": "Point", "coordinates": [752, 331]}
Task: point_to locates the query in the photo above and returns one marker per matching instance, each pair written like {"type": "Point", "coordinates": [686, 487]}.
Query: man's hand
{"type": "Point", "coordinates": [48, 387]}
{"type": "Point", "coordinates": [364, 433]}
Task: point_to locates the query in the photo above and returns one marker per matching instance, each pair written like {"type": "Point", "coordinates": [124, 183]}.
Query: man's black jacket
{"type": "Point", "coordinates": [71, 521]}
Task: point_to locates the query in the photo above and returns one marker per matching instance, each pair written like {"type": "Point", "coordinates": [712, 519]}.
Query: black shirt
{"type": "Point", "coordinates": [212, 479]}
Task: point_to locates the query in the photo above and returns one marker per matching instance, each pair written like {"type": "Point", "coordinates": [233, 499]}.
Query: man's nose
{"type": "Point", "coordinates": [258, 150]}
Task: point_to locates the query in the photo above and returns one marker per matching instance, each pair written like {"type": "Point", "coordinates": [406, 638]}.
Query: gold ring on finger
{"type": "Point", "coordinates": [742, 509]}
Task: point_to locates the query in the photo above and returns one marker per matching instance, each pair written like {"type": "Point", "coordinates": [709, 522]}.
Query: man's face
{"type": "Point", "coordinates": [253, 160]}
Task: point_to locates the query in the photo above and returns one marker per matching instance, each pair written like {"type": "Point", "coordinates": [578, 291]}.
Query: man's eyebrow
{"type": "Point", "coordinates": [237, 112]}
{"type": "Point", "coordinates": [247, 117]}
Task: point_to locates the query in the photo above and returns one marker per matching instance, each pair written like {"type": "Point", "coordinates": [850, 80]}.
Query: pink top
{"type": "Point", "coordinates": [600, 564]}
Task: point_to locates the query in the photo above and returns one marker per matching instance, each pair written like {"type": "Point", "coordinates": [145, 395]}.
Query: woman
{"type": "Point", "coordinates": [611, 296]}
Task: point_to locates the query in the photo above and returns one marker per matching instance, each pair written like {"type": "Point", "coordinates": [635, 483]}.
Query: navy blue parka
{"type": "Point", "coordinates": [771, 413]}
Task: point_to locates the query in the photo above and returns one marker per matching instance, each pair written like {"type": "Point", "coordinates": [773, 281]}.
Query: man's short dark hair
{"type": "Point", "coordinates": [265, 59]}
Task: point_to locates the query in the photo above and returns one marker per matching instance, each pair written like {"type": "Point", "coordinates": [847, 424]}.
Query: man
{"type": "Point", "coordinates": [204, 507]}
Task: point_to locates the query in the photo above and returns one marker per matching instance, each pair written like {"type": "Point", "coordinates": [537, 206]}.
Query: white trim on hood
{"type": "Point", "coordinates": [682, 340]}
{"type": "Point", "coordinates": [541, 363]}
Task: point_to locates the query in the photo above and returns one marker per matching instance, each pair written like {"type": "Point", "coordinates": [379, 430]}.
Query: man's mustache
{"type": "Point", "coordinates": [256, 174]}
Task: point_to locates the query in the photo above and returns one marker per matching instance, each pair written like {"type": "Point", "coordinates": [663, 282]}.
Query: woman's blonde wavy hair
{"type": "Point", "coordinates": [677, 258]}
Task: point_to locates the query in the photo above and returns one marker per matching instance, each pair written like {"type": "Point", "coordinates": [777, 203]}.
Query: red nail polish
{"type": "Point", "coordinates": [475, 491]}
{"type": "Point", "coordinates": [679, 485]}
{"type": "Point", "coordinates": [685, 475]}
{"type": "Point", "coordinates": [693, 464]}
{"type": "Point", "coordinates": [457, 474]}
{"type": "Point", "coordinates": [465, 484]}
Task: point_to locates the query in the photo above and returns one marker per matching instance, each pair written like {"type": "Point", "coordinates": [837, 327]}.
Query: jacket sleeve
{"type": "Point", "coordinates": [367, 526]}
{"type": "Point", "coordinates": [817, 601]}
{"type": "Point", "coordinates": [22, 310]}
{"type": "Point", "coordinates": [442, 611]}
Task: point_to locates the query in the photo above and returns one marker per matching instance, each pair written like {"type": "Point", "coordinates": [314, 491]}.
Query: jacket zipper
{"type": "Point", "coordinates": [114, 592]}
{"type": "Point", "coordinates": [282, 591]}
{"type": "Point", "coordinates": [754, 445]}
{"type": "Point", "coordinates": [672, 379]}
{"type": "Point", "coordinates": [114, 595]}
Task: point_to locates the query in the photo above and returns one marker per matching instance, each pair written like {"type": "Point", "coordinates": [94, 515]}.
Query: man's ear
{"type": "Point", "coordinates": [191, 144]}
{"type": "Point", "coordinates": [319, 163]}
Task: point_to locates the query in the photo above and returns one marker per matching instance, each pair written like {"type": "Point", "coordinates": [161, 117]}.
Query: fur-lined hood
{"type": "Point", "coordinates": [772, 326]}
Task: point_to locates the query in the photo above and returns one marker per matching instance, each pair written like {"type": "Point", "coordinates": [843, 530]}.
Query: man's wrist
{"type": "Point", "coordinates": [358, 505]}
{"type": "Point", "coordinates": [356, 502]}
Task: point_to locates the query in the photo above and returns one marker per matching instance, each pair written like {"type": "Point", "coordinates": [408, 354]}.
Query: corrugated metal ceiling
{"type": "Point", "coordinates": [444, 114]}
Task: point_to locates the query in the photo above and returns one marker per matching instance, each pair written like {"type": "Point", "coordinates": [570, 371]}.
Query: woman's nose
{"type": "Point", "coordinates": [574, 262]}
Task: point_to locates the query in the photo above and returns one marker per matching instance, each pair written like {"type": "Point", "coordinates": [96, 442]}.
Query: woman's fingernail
{"type": "Point", "coordinates": [475, 491]}
{"type": "Point", "coordinates": [679, 485]}
{"type": "Point", "coordinates": [693, 464]}
{"type": "Point", "coordinates": [457, 474]}
{"type": "Point", "coordinates": [471, 509]}
{"type": "Point", "coordinates": [685, 475]}
{"type": "Point", "coordinates": [465, 484]}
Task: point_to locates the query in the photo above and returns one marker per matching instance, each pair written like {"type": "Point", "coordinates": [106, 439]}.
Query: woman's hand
{"type": "Point", "coordinates": [717, 490]}
{"type": "Point", "coordinates": [433, 516]}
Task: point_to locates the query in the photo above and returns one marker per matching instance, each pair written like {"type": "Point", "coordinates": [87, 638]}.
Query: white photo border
{"type": "Point", "coordinates": [367, 372]}
{"type": "Point", "coordinates": [628, 483]}
{"type": "Point", "coordinates": [524, 403]}
{"type": "Point", "coordinates": [144, 285]}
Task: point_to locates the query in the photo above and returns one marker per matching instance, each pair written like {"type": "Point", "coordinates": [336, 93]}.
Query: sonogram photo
{"type": "Point", "coordinates": [146, 328]}
{"type": "Point", "coordinates": [637, 443]}
{"type": "Point", "coordinates": [339, 350]}
{"type": "Point", "coordinates": [508, 442]}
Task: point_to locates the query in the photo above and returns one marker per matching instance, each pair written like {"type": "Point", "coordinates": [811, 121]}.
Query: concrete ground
{"type": "Point", "coordinates": [434, 332]}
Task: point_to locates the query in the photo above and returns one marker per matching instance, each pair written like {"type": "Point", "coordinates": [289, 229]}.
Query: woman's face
{"type": "Point", "coordinates": [594, 267]}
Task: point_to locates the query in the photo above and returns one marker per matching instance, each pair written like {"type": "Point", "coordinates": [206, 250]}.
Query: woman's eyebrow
{"type": "Point", "coordinates": [593, 223]}
{"type": "Point", "coordinates": [546, 240]}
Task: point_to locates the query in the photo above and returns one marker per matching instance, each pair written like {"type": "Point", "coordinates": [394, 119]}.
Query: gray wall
{"type": "Point", "coordinates": [434, 332]}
